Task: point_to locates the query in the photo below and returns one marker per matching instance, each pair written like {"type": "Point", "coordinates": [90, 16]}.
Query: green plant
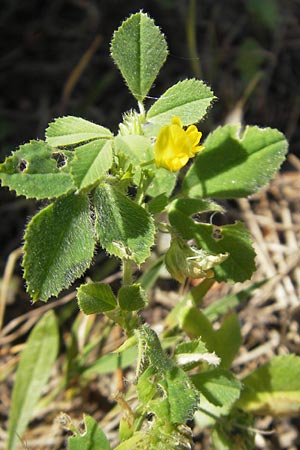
{"type": "Point", "coordinates": [114, 191]}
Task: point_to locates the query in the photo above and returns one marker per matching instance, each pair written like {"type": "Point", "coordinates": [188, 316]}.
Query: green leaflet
{"type": "Point", "coordinates": [96, 298]}
{"type": "Point", "coordinates": [132, 298]}
{"type": "Point", "coordinates": [92, 439]}
{"type": "Point", "coordinates": [188, 99]}
{"type": "Point", "coordinates": [123, 227]}
{"type": "Point", "coordinates": [182, 397]}
{"type": "Point", "coordinates": [59, 246]}
{"type": "Point", "coordinates": [219, 390]}
{"type": "Point", "coordinates": [139, 49]}
{"type": "Point", "coordinates": [228, 339]}
{"type": "Point", "coordinates": [219, 387]}
{"type": "Point", "coordinates": [273, 388]}
{"type": "Point", "coordinates": [33, 171]}
{"type": "Point", "coordinates": [190, 206]}
{"type": "Point", "coordinates": [233, 165]}
{"type": "Point", "coordinates": [91, 163]}
{"type": "Point", "coordinates": [70, 130]}
{"type": "Point", "coordinates": [33, 372]}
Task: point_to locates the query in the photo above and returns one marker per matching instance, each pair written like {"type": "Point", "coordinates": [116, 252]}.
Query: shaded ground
{"type": "Point", "coordinates": [251, 58]}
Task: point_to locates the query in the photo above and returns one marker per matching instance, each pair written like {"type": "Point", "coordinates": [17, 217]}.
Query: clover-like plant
{"type": "Point", "coordinates": [118, 192]}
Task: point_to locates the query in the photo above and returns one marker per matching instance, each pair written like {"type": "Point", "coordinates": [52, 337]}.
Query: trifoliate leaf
{"type": "Point", "coordinates": [139, 49]}
{"type": "Point", "coordinates": [72, 130]}
{"type": "Point", "coordinates": [124, 228]}
{"type": "Point", "coordinates": [188, 99]}
{"type": "Point", "coordinates": [35, 171]}
{"type": "Point", "coordinates": [59, 246]}
{"type": "Point", "coordinates": [233, 165]}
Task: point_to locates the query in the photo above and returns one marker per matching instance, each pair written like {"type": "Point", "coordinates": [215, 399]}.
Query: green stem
{"type": "Point", "coordinates": [141, 108]}
{"type": "Point", "coordinates": [127, 272]}
{"type": "Point", "coordinates": [147, 163]}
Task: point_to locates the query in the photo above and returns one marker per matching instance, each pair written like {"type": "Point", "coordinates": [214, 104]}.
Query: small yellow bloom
{"type": "Point", "coordinates": [175, 146]}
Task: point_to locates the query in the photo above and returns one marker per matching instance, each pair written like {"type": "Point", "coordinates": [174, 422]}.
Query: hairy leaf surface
{"type": "Point", "coordinates": [139, 49]}
{"type": "Point", "coordinates": [59, 246]}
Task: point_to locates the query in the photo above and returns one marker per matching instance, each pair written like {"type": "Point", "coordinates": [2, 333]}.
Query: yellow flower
{"type": "Point", "coordinates": [175, 146]}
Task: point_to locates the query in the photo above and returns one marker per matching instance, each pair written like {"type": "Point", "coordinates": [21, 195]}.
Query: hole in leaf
{"type": "Point", "coordinates": [22, 165]}
{"type": "Point", "coordinates": [61, 160]}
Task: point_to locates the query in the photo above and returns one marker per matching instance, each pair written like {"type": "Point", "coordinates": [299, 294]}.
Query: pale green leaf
{"type": "Point", "coordinates": [96, 298]}
{"type": "Point", "coordinates": [91, 163]}
{"type": "Point", "coordinates": [188, 99]}
{"type": "Point", "coordinates": [93, 437]}
{"type": "Point", "coordinates": [59, 246]}
{"type": "Point", "coordinates": [196, 325]}
{"type": "Point", "coordinates": [132, 298]}
{"type": "Point", "coordinates": [72, 130]}
{"type": "Point", "coordinates": [33, 372]}
{"type": "Point", "coordinates": [137, 149]}
{"type": "Point", "coordinates": [225, 342]}
{"type": "Point", "coordinates": [34, 172]}
{"type": "Point", "coordinates": [163, 182]}
{"type": "Point", "coordinates": [273, 388]}
{"type": "Point", "coordinates": [123, 227]}
{"type": "Point", "coordinates": [139, 49]}
{"type": "Point", "coordinates": [228, 339]}
{"type": "Point", "coordinates": [233, 165]}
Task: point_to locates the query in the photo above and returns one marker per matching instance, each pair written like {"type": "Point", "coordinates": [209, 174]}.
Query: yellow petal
{"type": "Point", "coordinates": [176, 121]}
{"type": "Point", "coordinates": [175, 146]}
